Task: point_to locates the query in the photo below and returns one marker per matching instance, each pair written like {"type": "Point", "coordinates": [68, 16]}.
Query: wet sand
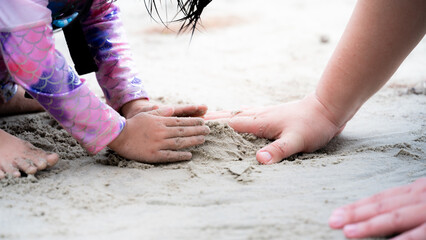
{"type": "Point", "coordinates": [247, 55]}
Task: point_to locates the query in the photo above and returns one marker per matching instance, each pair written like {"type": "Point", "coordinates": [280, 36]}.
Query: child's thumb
{"type": "Point", "coordinates": [281, 148]}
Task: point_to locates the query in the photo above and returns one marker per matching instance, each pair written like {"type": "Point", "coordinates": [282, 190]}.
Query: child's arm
{"type": "Point", "coordinates": [377, 39]}
{"type": "Point", "coordinates": [107, 41]}
{"type": "Point", "coordinates": [379, 36]}
{"type": "Point", "coordinates": [33, 62]}
{"type": "Point", "coordinates": [117, 77]}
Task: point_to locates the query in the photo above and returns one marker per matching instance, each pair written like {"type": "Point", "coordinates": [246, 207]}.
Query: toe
{"type": "Point", "coordinates": [2, 175]}
{"type": "Point", "coordinates": [26, 166]}
{"type": "Point", "coordinates": [40, 163]}
{"type": "Point", "coordinates": [52, 159]}
{"type": "Point", "coordinates": [9, 169]}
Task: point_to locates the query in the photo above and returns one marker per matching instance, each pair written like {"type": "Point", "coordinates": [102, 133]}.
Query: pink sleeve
{"type": "Point", "coordinates": [116, 76]}
{"type": "Point", "coordinates": [33, 63]}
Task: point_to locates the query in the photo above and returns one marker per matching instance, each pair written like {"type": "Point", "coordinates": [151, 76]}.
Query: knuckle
{"type": "Point", "coordinates": [185, 156]}
{"type": "Point", "coordinates": [368, 227]}
{"type": "Point", "coordinates": [423, 229]}
{"type": "Point", "coordinates": [261, 130]}
{"type": "Point", "coordinates": [168, 155]}
{"type": "Point", "coordinates": [280, 147]}
{"type": "Point", "coordinates": [178, 142]}
{"type": "Point", "coordinates": [396, 219]}
{"type": "Point", "coordinates": [181, 131]}
{"type": "Point", "coordinates": [379, 208]}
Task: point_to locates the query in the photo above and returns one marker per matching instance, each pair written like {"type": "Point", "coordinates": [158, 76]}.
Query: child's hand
{"type": "Point", "coordinates": [155, 137]}
{"type": "Point", "coordinates": [132, 108]}
{"type": "Point", "coordinates": [398, 210]}
{"type": "Point", "coordinates": [302, 126]}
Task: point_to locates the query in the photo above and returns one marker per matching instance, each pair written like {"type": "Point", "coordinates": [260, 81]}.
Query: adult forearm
{"type": "Point", "coordinates": [378, 37]}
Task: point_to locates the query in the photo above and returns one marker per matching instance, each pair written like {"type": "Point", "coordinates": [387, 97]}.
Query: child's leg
{"type": "Point", "coordinates": [16, 154]}
{"type": "Point", "coordinates": [18, 104]}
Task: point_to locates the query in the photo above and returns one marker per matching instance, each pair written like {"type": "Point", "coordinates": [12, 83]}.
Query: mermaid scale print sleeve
{"type": "Point", "coordinates": [116, 76]}
{"type": "Point", "coordinates": [32, 62]}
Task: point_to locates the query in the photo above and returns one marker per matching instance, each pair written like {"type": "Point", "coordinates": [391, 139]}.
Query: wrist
{"type": "Point", "coordinates": [120, 139]}
{"type": "Point", "coordinates": [325, 110]}
{"type": "Point", "coordinates": [129, 107]}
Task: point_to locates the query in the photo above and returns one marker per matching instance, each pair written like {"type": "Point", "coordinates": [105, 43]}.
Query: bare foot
{"type": "Point", "coordinates": [16, 154]}
{"type": "Point", "coordinates": [19, 105]}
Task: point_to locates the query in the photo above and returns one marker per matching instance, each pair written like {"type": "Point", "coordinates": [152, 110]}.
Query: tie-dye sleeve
{"type": "Point", "coordinates": [116, 76]}
{"type": "Point", "coordinates": [33, 63]}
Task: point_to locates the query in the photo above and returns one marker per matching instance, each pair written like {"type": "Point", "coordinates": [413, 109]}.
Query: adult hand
{"type": "Point", "coordinates": [157, 137]}
{"type": "Point", "coordinates": [132, 108]}
{"type": "Point", "coordinates": [302, 126]}
{"type": "Point", "coordinates": [398, 210]}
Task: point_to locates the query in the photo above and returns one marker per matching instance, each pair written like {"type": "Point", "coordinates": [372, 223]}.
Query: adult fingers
{"type": "Point", "coordinates": [400, 220]}
{"type": "Point", "coordinates": [281, 148]}
{"type": "Point", "coordinates": [190, 111]}
{"type": "Point", "coordinates": [187, 131]}
{"type": "Point", "coordinates": [182, 142]}
{"type": "Point", "coordinates": [353, 215]}
{"type": "Point", "coordinates": [176, 122]}
{"type": "Point", "coordinates": [165, 156]}
{"type": "Point", "coordinates": [417, 233]}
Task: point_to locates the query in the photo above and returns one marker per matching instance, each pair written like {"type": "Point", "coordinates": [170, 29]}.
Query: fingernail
{"type": "Point", "coordinates": [265, 157]}
{"type": "Point", "coordinates": [337, 218]}
{"type": "Point", "coordinates": [351, 230]}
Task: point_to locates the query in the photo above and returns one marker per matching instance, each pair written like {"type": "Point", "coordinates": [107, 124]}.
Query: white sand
{"type": "Point", "coordinates": [248, 54]}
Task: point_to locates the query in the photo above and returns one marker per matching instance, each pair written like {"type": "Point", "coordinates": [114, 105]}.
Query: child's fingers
{"type": "Point", "coordinates": [190, 111]}
{"type": "Point", "coordinates": [182, 142]}
{"type": "Point", "coordinates": [163, 112]}
{"type": "Point", "coordinates": [245, 125]}
{"type": "Point", "coordinates": [281, 148]}
{"type": "Point", "coordinates": [229, 114]}
{"type": "Point", "coordinates": [382, 196]}
{"type": "Point", "coordinates": [165, 156]}
{"type": "Point", "coordinates": [218, 115]}
{"type": "Point", "coordinates": [173, 132]}
{"type": "Point", "coordinates": [397, 221]}
{"type": "Point", "coordinates": [340, 218]}
{"type": "Point", "coordinates": [175, 122]}
{"type": "Point", "coordinates": [417, 233]}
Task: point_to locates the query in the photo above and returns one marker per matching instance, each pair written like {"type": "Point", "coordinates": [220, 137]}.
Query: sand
{"type": "Point", "coordinates": [247, 55]}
